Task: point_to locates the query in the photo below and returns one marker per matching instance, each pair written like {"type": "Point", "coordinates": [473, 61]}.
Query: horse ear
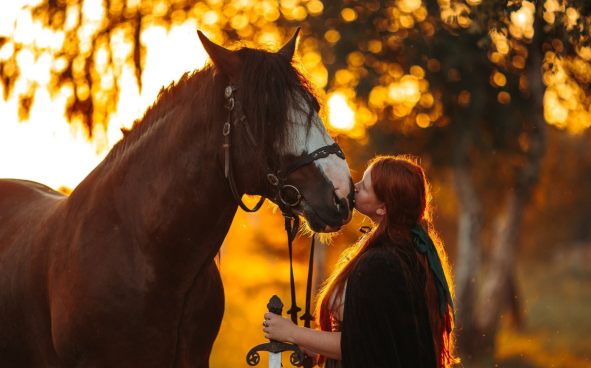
{"type": "Point", "coordinates": [289, 48]}
{"type": "Point", "coordinates": [227, 61]}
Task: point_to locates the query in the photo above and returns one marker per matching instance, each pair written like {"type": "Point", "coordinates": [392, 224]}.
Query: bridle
{"type": "Point", "coordinates": [286, 196]}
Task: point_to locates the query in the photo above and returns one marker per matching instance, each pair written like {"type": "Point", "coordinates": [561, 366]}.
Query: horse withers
{"type": "Point", "coordinates": [121, 272]}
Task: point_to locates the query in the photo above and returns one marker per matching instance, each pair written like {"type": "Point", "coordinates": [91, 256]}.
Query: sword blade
{"type": "Point", "coordinates": [274, 360]}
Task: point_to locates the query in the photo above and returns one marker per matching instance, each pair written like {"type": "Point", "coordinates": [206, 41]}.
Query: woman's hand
{"type": "Point", "coordinates": [313, 341]}
{"type": "Point", "coordinates": [278, 328]}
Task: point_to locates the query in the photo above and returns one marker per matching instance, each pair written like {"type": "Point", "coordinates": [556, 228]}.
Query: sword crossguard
{"type": "Point", "coordinates": [296, 358]}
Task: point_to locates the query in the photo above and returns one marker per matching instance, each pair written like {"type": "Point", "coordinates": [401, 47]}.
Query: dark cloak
{"type": "Point", "coordinates": [385, 319]}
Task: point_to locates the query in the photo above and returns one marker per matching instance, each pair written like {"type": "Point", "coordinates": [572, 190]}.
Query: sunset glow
{"type": "Point", "coordinates": [45, 148]}
{"type": "Point", "coordinates": [48, 149]}
{"type": "Point", "coordinates": [491, 98]}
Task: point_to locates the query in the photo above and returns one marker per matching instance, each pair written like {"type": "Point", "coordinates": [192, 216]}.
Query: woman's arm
{"type": "Point", "coordinates": [325, 343]}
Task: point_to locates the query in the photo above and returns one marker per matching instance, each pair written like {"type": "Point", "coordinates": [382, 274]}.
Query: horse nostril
{"type": "Point", "coordinates": [342, 206]}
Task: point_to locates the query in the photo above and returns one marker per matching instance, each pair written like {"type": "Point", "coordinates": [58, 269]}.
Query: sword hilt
{"type": "Point", "coordinates": [296, 358]}
{"type": "Point", "coordinates": [275, 305]}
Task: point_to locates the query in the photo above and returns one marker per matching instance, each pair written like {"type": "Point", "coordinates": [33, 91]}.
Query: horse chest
{"type": "Point", "coordinates": [151, 329]}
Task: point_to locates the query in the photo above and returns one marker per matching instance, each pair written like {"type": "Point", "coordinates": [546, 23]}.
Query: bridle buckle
{"type": "Point", "coordinates": [226, 129]}
{"type": "Point", "coordinates": [273, 179]}
{"type": "Point", "coordinates": [229, 104]}
{"type": "Point", "coordinates": [228, 91]}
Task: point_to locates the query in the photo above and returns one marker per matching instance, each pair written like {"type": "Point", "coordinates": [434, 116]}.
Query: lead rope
{"type": "Point", "coordinates": [291, 227]}
{"type": "Point", "coordinates": [308, 317]}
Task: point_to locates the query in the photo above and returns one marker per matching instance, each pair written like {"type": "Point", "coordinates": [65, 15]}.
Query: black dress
{"type": "Point", "coordinates": [385, 320]}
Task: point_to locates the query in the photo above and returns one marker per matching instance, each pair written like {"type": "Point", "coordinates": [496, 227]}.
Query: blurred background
{"type": "Point", "coordinates": [493, 96]}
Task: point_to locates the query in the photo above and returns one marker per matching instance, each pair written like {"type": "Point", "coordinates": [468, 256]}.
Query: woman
{"type": "Point", "coordinates": [387, 304]}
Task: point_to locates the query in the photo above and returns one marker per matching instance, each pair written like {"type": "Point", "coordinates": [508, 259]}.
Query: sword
{"type": "Point", "coordinates": [275, 348]}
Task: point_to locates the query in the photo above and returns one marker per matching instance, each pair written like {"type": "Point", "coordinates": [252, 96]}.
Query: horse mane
{"type": "Point", "coordinates": [268, 87]}
{"type": "Point", "coordinates": [196, 88]}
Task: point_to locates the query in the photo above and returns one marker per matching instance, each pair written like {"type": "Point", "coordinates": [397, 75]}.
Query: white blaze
{"type": "Point", "coordinates": [302, 139]}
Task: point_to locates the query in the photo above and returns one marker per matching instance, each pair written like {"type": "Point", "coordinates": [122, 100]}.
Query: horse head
{"type": "Point", "coordinates": [276, 145]}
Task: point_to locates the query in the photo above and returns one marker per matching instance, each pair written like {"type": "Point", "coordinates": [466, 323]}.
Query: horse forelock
{"type": "Point", "coordinates": [271, 87]}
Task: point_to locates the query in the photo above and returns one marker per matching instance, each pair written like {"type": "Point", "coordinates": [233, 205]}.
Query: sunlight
{"type": "Point", "coordinates": [520, 18]}
{"type": "Point", "coordinates": [409, 6]}
{"type": "Point", "coordinates": [340, 115]}
{"type": "Point", "coordinates": [45, 148]}
{"type": "Point", "coordinates": [8, 12]}
{"type": "Point", "coordinates": [405, 91]}
{"type": "Point", "coordinates": [93, 10]}
{"type": "Point", "coordinates": [500, 41]}
{"type": "Point", "coordinates": [48, 149]}
{"type": "Point", "coordinates": [566, 104]}
{"type": "Point", "coordinates": [522, 21]}
{"type": "Point", "coordinates": [455, 13]}
{"type": "Point", "coordinates": [572, 15]}
{"type": "Point", "coordinates": [165, 62]}
{"type": "Point", "coordinates": [169, 55]}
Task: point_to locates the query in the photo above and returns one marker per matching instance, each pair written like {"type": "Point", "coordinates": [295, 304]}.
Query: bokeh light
{"type": "Point", "coordinates": [522, 21]}
{"type": "Point", "coordinates": [340, 114]}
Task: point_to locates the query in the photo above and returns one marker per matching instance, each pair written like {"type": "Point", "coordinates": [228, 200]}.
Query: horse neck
{"type": "Point", "coordinates": [166, 188]}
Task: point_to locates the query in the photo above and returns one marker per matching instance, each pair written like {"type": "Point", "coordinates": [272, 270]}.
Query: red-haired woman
{"type": "Point", "coordinates": [388, 302]}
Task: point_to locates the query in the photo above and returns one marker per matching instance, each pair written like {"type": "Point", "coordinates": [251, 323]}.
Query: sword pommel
{"type": "Point", "coordinates": [275, 305]}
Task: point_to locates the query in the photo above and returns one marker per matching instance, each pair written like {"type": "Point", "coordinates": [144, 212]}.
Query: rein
{"type": "Point", "coordinates": [291, 228]}
{"type": "Point", "coordinates": [287, 197]}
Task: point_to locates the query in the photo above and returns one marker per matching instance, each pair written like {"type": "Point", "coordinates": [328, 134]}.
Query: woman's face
{"type": "Point", "coordinates": [366, 201]}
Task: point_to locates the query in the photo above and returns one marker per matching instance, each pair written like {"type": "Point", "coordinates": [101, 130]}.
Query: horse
{"type": "Point", "coordinates": [121, 272]}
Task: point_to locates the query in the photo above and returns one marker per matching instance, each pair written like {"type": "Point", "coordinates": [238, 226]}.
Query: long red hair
{"type": "Point", "coordinates": [400, 183]}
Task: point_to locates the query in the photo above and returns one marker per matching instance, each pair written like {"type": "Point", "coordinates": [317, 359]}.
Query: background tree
{"type": "Point", "coordinates": [475, 87]}
{"type": "Point", "coordinates": [469, 85]}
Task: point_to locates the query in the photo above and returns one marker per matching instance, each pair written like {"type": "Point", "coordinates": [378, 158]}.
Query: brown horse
{"type": "Point", "coordinates": [121, 273]}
